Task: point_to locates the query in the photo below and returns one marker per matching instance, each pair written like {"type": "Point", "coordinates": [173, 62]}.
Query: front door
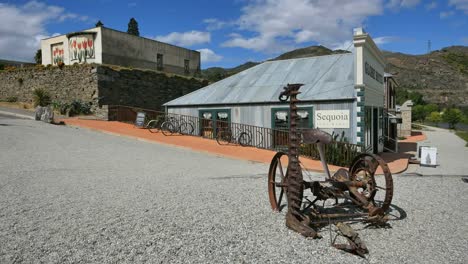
{"type": "Point", "coordinates": [375, 130]}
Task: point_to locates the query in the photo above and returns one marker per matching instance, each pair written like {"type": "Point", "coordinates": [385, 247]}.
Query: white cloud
{"type": "Point", "coordinates": [186, 39]}
{"type": "Point", "coordinates": [207, 55]}
{"type": "Point", "coordinates": [446, 14]}
{"type": "Point", "coordinates": [214, 24]}
{"type": "Point", "coordinates": [460, 5]}
{"type": "Point", "coordinates": [385, 39]}
{"type": "Point", "coordinates": [431, 5]}
{"type": "Point", "coordinates": [279, 25]}
{"type": "Point", "coordinates": [23, 26]}
{"type": "Point", "coordinates": [396, 4]}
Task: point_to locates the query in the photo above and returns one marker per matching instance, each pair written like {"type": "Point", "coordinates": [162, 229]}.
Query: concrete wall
{"type": "Point", "coordinates": [119, 48]}
{"type": "Point", "coordinates": [404, 129]}
{"type": "Point", "coordinates": [97, 84]}
{"type": "Point", "coordinates": [127, 50]}
{"type": "Point", "coordinates": [69, 50]}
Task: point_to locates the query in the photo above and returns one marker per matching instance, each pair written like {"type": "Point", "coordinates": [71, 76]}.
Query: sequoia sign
{"type": "Point", "coordinates": [332, 118]}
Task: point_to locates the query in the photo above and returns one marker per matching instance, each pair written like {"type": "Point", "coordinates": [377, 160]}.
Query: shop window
{"type": "Point", "coordinates": [281, 122]}
{"type": "Point", "coordinates": [213, 120]}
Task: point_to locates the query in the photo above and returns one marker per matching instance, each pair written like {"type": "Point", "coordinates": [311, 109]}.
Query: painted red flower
{"type": "Point", "coordinates": [55, 52]}
{"type": "Point", "coordinates": [79, 45]}
{"type": "Point", "coordinates": [74, 44]}
{"type": "Point", "coordinates": [90, 43]}
{"type": "Point", "coordinates": [85, 44]}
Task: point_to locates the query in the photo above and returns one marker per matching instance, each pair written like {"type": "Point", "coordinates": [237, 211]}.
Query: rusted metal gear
{"type": "Point", "coordinates": [295, 220]}
{"type": "Point", "coordinates": [376, 192]}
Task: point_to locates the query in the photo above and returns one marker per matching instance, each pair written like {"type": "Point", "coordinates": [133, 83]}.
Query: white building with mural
{"type": "Point", "coordinates": [342, 93]}
{"type": "Point", "coordinates": [107, 46]}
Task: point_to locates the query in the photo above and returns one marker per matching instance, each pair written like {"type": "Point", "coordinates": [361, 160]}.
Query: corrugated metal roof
{"type": "Point", "coordinates": [325, 78]}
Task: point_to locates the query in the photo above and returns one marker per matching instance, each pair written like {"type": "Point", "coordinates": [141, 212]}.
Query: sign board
{"type": "Point", "coordinates": [332, 118]}
{"type": "Point", "coordinates": [428, 156]}
{"type": "Point", "coordinates": [140, 119]}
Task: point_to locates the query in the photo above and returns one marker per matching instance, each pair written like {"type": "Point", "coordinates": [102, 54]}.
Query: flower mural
{"type": "Point", "coordinates": [81, 48]}
{"type": "Point", "coordinates": [57, 54]}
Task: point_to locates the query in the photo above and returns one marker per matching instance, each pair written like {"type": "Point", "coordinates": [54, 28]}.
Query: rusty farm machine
{"type": "Point", "coordinates": [365, 189]}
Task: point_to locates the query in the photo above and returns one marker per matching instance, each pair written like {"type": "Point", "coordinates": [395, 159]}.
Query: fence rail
{"type": "Point", "coordinates": [337, 153]}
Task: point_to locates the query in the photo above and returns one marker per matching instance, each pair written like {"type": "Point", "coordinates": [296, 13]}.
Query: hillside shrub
{"type": "Point", "coordinates": [41, 97]}
{"type": "Point", "coordinates": [79, 108]}
{"type": "Point", "coordinates": [76, 107]}
{"type": "Point", "coordinates": [434, 117]}
{"type": "Point", "coordinates": [452, 116]}
{"type": "Point", "coordinates": [12, 99]}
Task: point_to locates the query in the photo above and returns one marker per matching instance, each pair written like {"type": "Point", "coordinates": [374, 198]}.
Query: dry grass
{"type": "Point", "coordinates": [18, 105]}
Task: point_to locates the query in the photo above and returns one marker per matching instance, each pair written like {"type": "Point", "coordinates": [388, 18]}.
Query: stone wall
{"type": "Point", "coordinates": [64, 85]}
{"type": "Point", "coordinates": [146, 89]}
{"type": "Point", "coordinates": [99, 85]}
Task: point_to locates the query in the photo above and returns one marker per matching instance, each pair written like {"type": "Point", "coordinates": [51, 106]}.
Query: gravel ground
{"type": "Point", "coordinates": [71, 195]}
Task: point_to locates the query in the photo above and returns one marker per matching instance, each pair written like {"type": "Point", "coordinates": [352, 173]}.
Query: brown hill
{"type": "Point", "coordinates": [440, 76]}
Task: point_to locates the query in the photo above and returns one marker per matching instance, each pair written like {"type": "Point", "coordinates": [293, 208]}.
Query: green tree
{"type": "Point", "coordinates": [434, 117]}
{"type": "Point", "coordinates": [429, 108]}
{"type": "Point", "coordinates": [99, 24]}
{"type": "Point", "coordinates": [133, 27]}
{"type": "Point", "coordinates": [403, 95]}
{"type": "Point", "coordinates": [38, 57]}
{"type": "Point", "coordinates": [417, 98]}
{"type": "Point", "coordinates": [418, 113]}
{"type": "Point", "coordinates": [452, 116]}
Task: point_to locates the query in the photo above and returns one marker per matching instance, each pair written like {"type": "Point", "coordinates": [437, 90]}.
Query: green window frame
{"type": "Point", "coordinates": [309, 109]}
{"type": "Point", "coordinates": [211, 131]}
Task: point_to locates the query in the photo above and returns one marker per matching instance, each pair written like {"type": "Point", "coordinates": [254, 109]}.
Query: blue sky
{"type": "Point", "coordinates": [229, 33]}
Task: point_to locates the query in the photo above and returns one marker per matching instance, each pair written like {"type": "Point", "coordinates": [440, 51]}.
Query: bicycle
{"type": "Point", "coordinates": [173, 125]}
{"type": "Point", "coordinates": [154, 125]}
{"type": "Point", "coordinates": [226, 136]}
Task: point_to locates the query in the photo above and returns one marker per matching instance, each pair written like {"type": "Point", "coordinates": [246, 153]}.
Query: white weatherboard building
{"type": "Point", "coordinates": [341, 93]}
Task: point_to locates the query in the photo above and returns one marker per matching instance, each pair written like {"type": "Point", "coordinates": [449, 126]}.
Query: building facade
{"type": "Point", "coordinates": [342, 94]}
{"type": "Point", "coordinates": [102, 45]}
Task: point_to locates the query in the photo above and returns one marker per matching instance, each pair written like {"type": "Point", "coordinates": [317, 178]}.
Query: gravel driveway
{"type": "Point", "coordinates": [71, 195]}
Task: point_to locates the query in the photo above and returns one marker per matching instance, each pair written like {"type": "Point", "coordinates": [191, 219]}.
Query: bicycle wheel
{"type": "Point", "coordinates": [167, 128]}
{"type": "Point", "coordinates": [259, 140]}
{"type": "Point", "coordinates": [152, 126]}
{"type": "Point", "coordinates": [244, 139]}
{"type": "Point", "coordinates": [186, 129]}
{"type": "Point", "coordinates": [224, 137]}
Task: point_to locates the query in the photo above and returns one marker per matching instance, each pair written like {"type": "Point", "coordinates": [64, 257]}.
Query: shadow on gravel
{"type": "Point", "coordinates": [397, 212]}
